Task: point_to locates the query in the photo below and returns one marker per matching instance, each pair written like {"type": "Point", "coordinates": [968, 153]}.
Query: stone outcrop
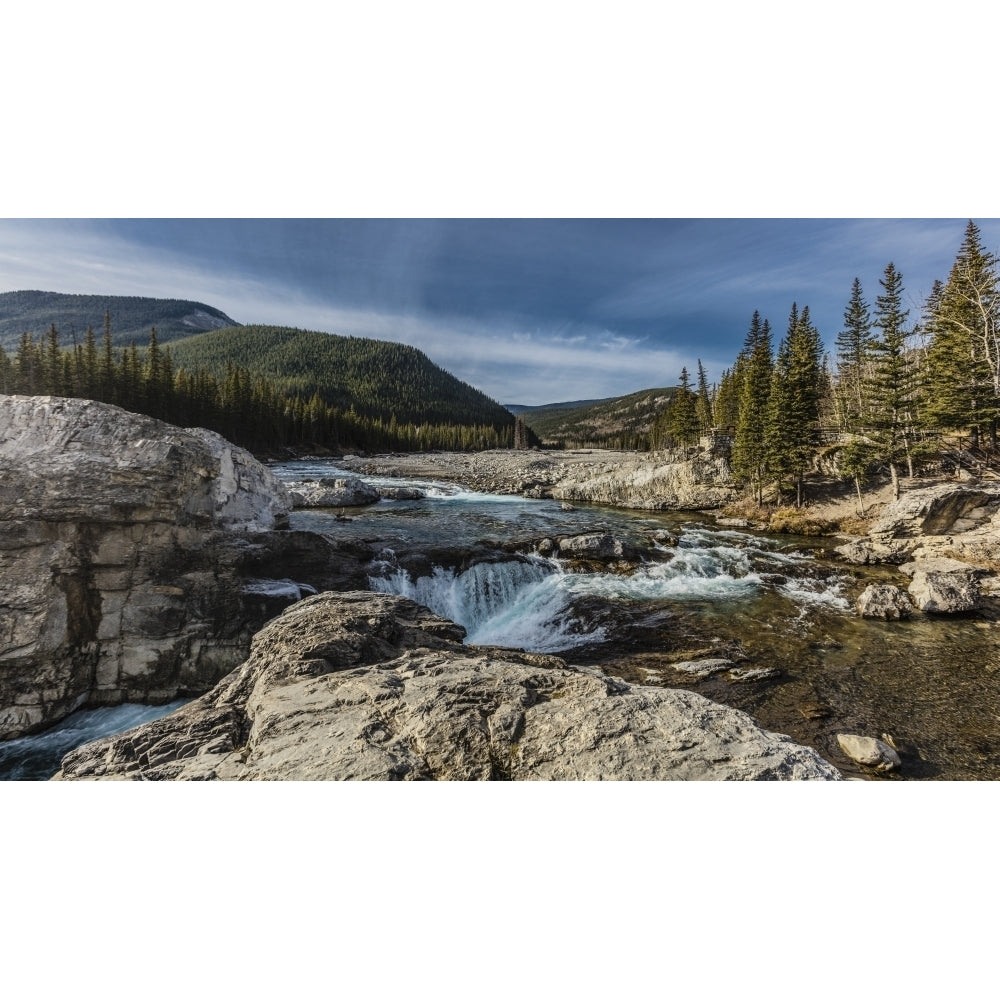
{"type": "Point", "coordinates": [696, 483]}
{"type": "Point", "coordinates": [943, 586]}
{"type": "Point", "coordinates": [946, 538]}
{"type": "Point", "coordinates": [330, 492]}
{"type": "Point", "coordinates": [656, 481]}
{"type": "Point", "coordinates": [884, 601]}
{"type": "Point", "coordinates": [947, 520]}
{"type": "Point", "coordinates": [125, 546]}
{"type": "Point", "coordinates": [370, 686]}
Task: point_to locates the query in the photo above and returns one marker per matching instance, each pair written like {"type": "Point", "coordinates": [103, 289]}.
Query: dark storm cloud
{"type": "Point", "coordinates": [528, 310]}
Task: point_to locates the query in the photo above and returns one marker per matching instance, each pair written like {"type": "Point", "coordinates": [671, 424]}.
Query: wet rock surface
{"type": "Point", "coordinates": [367, 686]}
{"type": "Point", "coordinates": [869, 752]}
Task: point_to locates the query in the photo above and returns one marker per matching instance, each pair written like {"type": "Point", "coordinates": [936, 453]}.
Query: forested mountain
{"type": "Point", "coordinates": [620, 422]}
{"type": "Point", "coordinates": [242, 406]}
{"type": "Point", "coordinates": [132, 317]}
{"type": "Point", "coordinates": [375, 378]}
{"type": "Point", "coordinates": [575, 404]}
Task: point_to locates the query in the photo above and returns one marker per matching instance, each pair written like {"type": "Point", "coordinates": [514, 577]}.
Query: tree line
{"type": "Point", "coordinates": [899, 388]}
{"type": "Point", "coordinates": [246, 409]}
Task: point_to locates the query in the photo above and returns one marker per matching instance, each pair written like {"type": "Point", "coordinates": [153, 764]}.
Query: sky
{"type": "Point", "coordinates": [530, 311]}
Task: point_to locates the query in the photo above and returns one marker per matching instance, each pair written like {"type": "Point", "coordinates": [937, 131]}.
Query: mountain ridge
{"type": "Point", "coordinates": [132, 316]}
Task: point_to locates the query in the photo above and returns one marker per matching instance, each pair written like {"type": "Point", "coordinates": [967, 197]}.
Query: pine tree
{"type": "Point", "coordinates": [853, 345]}
{"type": "Point", "coordinates": [749, 457]}
{"type": "Point", "coordinates": [792, 431]}
{"type": "Point", "coordinates": [704, 407]}
{"type": "Point", "coordinates": [891, 385]}
{"type": "Point", "coordinates": [682, 415]}
{"type": "Point", "coordinates": [963, 359]}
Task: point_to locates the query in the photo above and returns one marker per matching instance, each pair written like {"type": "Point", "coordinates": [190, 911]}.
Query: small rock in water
{"type": "Point", "coordinates": [813, 710]}
{"type": "Point", "coordinates": [944, 586]}
{"type": "Point", "coordinates": [869, 751]}
{"type": "Point", "coordinates": [883, 600]}
{"type": "Point", "coordinates": [703, 668]}
{"type": "Point", "coordinates": [746, 674]}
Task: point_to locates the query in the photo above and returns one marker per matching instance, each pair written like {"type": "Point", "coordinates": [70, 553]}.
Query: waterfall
{"type": "Point", "coordinates": [523, 604]}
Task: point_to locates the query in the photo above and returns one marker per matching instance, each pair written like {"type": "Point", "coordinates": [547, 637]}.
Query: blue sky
{"type": "Point", "coordinates": [530, 311]}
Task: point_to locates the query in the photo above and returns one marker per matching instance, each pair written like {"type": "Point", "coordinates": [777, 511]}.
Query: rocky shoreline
{"type": "Point", "coordinates": [654, 481]}
{"type": "Point", "coordinates": [374, 687]}
{"type": "Point", "coordinates": [137, 559]}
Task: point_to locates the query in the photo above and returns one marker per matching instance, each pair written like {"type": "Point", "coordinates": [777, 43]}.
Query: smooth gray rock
{"type": "Point", "coordinates": [883, 600]}
{"type": "Point", "coordinates": [869, 751]}
{"type": "Point", "coordinates": [375, 687]}
{"type": "Point", "coordinates": [400, 493]}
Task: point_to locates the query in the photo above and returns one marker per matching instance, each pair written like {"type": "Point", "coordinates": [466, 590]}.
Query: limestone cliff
{"type": "Point", "coordinates": [369, 686]}
{"type": "Point", "coordinates": [125, 548]}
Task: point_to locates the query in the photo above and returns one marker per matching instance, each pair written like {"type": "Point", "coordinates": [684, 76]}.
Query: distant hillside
{"type": "Point", "coordinates": [518, 408]}
{"type": "Point", "coordinates": [377, 378]}
{"type": "Point", "coordinates": [621, 422]}
{"type": "Point", "coordinates": [131, 317]}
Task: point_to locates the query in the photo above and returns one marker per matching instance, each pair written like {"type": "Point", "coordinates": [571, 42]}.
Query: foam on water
{"type": "Point", "coordinates": [37, 757]}
{"type": "Point", "coordinates": [530, 603]}
{"type": "Point", "coordinates": [524, 604]}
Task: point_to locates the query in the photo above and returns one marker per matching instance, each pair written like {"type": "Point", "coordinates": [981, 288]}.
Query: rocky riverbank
{"type": "Point", "coordinates": [655, 481]}
{"type": "Point", "coordinates": [375, 687]}
{"type": "Point", "coordinates": [136, 559]}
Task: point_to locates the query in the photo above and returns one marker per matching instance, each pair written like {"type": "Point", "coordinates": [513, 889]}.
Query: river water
{"type": "Point", "coordinates": [777, 605]}
{"type": "Point", "coordinates": [780, 607]}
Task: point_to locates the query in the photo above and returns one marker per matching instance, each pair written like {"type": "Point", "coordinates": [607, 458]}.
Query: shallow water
{"type": "Point", "coordinates": [37, 758]}
{"type": "Point", "coordinates": [764, 601]}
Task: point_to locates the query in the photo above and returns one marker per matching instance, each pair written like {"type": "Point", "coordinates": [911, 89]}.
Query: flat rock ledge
{"type": "Point", "coordinates": [368, 686]}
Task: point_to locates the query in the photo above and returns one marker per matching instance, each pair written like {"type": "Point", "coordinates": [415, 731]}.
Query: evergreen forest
{"type": "Point", "coordinates": [900, 390]}
{"type": "Point", "coordinates": [243, 406]}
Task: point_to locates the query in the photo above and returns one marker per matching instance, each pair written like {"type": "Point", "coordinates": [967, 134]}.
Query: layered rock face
{"type": "Point", "coordinates": [659, 481]}
{"type": "Point", "coordinates": [125, 545]}
{"type": "Point", "coordinates": [945, 520]}
{"type": "Point", "coordinates": [369, 686]}
{"type": "Point", "coordinates": [946, 538]}
{"type": "Point", "coordinates": [698, 483]}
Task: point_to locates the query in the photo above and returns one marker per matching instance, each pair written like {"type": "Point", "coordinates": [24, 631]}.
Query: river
{"type": "Point", "coordinates": [779, 607]}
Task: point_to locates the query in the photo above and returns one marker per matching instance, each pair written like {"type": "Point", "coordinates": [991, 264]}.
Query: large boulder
{"type": "Point", "coordinates": [597, 547]}
{"type": "Point", "coordinates": [347, 491]}
{"type": "Point", "coordinates": [372, 686]}
{"type": "Point", "coordinates": [125, 546]}
{"type": "Point", "coordinates": [943, 586]}
{"type": "Point", "coordinates": [883, 600]}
